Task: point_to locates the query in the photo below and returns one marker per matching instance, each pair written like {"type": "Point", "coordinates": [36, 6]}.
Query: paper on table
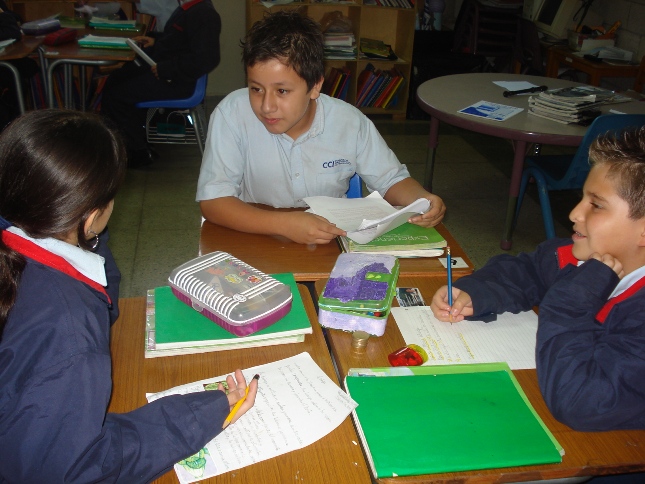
{"type": "Point", "coordinates": [494, 111]}
{"type": "Point", "coordinates": [515, 85]}
{"type": "Point", "coordinates": [296, 405]}
{"type": "Point", "coordinates": [510, 338]}
{"type": "Point", "coordinates": [364, 219]}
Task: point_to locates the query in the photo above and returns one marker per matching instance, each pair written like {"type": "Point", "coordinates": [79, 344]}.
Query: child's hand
{"type": "Point", "coordinates": [144, 41]}
{"type": "Point", "coordinates": [433, 216]}
{"type": "Point", "coordinates": [307, 228]}
{"type": "Point", "coordinates": [611, 262]}
{"type": "Point", "coordinates": [462, 305]}
{"type": "Point", "coordinates": [236, 391]}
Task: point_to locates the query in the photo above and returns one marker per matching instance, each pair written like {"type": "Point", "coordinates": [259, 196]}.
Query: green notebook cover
{"type": "Point", "coordinates": [406, 236]}
{"type": "Point", "coordinates": [179, 325]}
{"type": "Point", "coordinates": [475, 418]}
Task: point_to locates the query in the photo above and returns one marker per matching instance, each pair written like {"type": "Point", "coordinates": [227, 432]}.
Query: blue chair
{"type": "Point", "coordinates": [561, 172]}
{"type": "Point", "coordinates": [355, 189]}
{"type": "Point", "coordinates": [191, 106]}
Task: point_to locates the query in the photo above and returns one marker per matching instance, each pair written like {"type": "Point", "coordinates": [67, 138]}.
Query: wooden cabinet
{"type": "Point", "coordinates": [394, 26]}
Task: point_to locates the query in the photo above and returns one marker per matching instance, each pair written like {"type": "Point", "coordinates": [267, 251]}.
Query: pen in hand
{"type": "Point", "coordinates": [449, 269]}
{"type": "Point", "coordinates": [237, 406]}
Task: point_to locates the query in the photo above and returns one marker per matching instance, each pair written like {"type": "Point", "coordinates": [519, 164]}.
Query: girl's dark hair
{"type": "Point", "coordinates": [293, 39]}
{"type": "Point", "coordinates": [56, 168]}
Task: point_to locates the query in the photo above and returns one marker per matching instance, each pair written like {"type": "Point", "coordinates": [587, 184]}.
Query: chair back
{"type": "Point", "coordinates": [355, 189]}
{"type": "Point", "coordinates": [579, 168]}
{"type": "Point", "coordinates": [190, 102]}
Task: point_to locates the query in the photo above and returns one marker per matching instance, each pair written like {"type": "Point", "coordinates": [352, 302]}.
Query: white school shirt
{"type": "Point", "coordinates": [244, 160]}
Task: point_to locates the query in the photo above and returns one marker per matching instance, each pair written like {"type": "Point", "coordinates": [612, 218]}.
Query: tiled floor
{"type": "Point", "coordinates": [156, 221]}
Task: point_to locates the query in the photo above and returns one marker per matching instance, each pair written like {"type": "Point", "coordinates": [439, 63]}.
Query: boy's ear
{"type": "Point", "coordinates": [315, 91]}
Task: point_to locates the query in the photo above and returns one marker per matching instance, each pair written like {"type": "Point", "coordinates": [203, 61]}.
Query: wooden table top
{"type": "Point", "coordinates": [21, 48]}
{"type": "Point", "coordinates": [72, 50]}
{"type": "Point", "coordinates": [274, 254]}
{"type": "Point", "coordinates": [586, 453]}
{"type": "Point", "coordinates": [333, 459]}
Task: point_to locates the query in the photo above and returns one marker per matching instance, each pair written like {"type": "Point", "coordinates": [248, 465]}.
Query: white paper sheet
{"type": "Point", "coordinates": [364, 219]}
{"type": "Point", "coordinates": [494, 111]}
{"type": "Point", "coordinates": [296, 405]}
{"type": "Point", "coordinates": [511, 338]}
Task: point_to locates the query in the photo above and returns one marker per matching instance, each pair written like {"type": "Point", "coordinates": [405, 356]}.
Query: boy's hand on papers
{"type": "Point", "coordinates": [307, 228]}
{"type": "Point", "coordinates": [611, 262]}
{"type": "Point", "coordinates": [433, 216]}
{"type": "Point", "coordinates": [462, 305]}
{"type": "Point", "coordinates": [144, 41]}
{"type": "Point", "coordinates": [237, 391]}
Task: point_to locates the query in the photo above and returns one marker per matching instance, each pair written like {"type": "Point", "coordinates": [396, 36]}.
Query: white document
{"type": "Point", "coordinates": [515, 85]}
{"type": "Point", "coordinates": [494, 111]}
{"type": "Point", "coordinates": [364, 219]}
{"type": "Point", "coordinates": [296, 405]}
{"type": "Point", "coordinates": [510, 338]}
{"type": "Point", "coordinates": [140, 52]}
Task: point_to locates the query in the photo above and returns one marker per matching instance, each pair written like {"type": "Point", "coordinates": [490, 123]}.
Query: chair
{"type": "Point", "coordinates": [561, 172]}
{"type": "Point", "coordinates": [196, 132]}
{"type": "Point", "coordinates": [639, 83]}
{"type": "Point", "coordinates": [355, 189]}
{"type": "Point", "coordinates": [527, 54]}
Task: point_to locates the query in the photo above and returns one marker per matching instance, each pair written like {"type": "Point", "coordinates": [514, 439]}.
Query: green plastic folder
{"type": "Point", "coordinates": [178, 325]}
{"type": "Point", "coordinates": [450, 419]}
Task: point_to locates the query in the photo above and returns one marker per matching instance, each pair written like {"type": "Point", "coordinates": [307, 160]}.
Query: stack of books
{"type": "Point", "coordinates": [340, 45]}
{"type": "Point", "coordinates": [376, 49]}
{"type": "Point", "coordinates": [407, 240]}
{"type": "Point", "coordinates": [391, 3]}
{"type": "Point", "coordinates": [337, 83]}
{"type": "Point", "coordinates": [573, 105]}
{"type": "Point", "coordinates": [377, 88]}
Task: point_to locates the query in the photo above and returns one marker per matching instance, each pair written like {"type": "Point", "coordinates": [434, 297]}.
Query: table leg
{"type": "Point", "coordinates": [18, 83]}
{"type": "Point", "coordinates": [516, 178]}
{"type": "Point", "coordinates": [433, 142]}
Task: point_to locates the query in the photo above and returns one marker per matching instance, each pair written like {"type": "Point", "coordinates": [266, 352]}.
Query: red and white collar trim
{"type": "Point", "coordinates": [34, 251]}
{"type": "Point", "coordinates": [190, 3]}
{"type": "Point", "coordinates": [627, 287]}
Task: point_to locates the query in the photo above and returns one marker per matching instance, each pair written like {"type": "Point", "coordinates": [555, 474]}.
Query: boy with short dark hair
{"type": "Point", "coordinates": [590, 350]}
{"type": "Point", "coordinates": [280, 140]}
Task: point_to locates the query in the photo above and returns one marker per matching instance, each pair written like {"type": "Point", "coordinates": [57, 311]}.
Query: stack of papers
{"type": "Point", "coordinates": [106, 24]}
{"type": "Point", "coordinates": [100, 42]}
{"type": "Point", "coordinates": [340, 45]}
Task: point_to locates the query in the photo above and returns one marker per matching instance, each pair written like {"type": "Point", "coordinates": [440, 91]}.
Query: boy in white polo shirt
{"type": "Point", "coordinates": [280, 140]}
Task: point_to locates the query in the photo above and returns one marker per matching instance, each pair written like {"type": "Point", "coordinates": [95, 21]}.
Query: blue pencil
{"type": "Point", "coordinates": [449, 268]}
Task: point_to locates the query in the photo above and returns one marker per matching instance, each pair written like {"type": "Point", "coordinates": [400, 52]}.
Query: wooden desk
{"type": "Point", "coordinates": [72, 54]}
{"type": "Point", "coordinates": [18, 50]}
{"type": "Point", "coordinates": [334, 458]}
{"type": "Point", "coordinates": [558, 55]}
{"type": "Point", "coordinates": [444, 96]}
{"type": "Point", "coordinates": [586, 453]}
{"type": "Point", "coordinates": [273, 254]}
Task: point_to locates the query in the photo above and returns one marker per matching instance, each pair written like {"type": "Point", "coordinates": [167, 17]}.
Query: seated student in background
{"type": "Point", "coordinates": [59, 173]}
{"type": "Point", "coordinates": [187, 49]}
{"type": "Point", "coordinates": [590, 290]}
{"type": "Point", "coordinates": [280, 140]}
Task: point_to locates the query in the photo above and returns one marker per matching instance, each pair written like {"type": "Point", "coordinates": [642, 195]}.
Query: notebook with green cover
{"type": "Point", "coordinates": [405, 237]}
{"type": "Point", "coordinates": [174, 328]}
{"type": "Point", "coordinates": [426, 420]}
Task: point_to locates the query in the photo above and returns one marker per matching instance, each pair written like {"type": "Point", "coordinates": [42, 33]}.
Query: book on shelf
{"type": "Point", "coordinates": [174, 328]}
{"type": "Point", "coordinates": [366, 80]}
{"type": "Point", "coordinates": [375, 89]}
{"type": "Point", "coordinates": [376, 49]}
{"type": "Point", "coordinates": [392, 96]}
{"type": "Point", "coordinates": [407, 240]}
{"type": "Point", "coordinates": [457, 418]}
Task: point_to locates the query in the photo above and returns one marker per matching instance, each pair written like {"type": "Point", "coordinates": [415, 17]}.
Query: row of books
{"type": "Point", "coordinates": [378, 88]}
{"type": "Point", "coordinates": [390, 3]}
{"type": "Point", "coordinates": [572, 105]}
{"type": "Point", "coordinates": [337, 83]}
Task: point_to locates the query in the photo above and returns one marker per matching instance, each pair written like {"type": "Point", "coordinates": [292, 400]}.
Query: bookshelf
{"type": "Point", "coordinates": [392, 25]}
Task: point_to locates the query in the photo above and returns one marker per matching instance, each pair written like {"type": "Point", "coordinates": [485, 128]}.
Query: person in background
{"type": "Point", "coordinates": [187, 49]}
{"type": "Point", "coordinates": [59, 174]}
{"type": "Point", "coordinates": [590, 289]}
{"type": "Point", "coordinates": [280, 140]}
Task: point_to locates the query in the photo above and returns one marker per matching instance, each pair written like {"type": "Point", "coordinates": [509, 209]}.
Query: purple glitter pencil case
{"type": "Point", "coordinates": [359, 293]}
{"type": "Point", "coordinates": [236, 296]}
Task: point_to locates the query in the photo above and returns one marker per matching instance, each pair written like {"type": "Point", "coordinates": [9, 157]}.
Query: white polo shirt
{"type": "Point", "coordinates": [244, 160]}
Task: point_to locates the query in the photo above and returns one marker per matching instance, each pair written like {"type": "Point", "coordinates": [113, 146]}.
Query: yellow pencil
{"type": "Point", "coordinates": [239, 403]}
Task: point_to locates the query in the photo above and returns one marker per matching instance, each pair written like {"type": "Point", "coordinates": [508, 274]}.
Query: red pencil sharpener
{"type": "Point", "coordinates": [410, 355]}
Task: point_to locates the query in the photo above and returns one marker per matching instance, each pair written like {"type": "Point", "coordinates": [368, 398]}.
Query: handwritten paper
{"type": "Point", "coordinates": [296, 405]}
{"type": "Point", "coordinates": [364, 219]}
{"type": "Point", "coordinates": [510, 338]}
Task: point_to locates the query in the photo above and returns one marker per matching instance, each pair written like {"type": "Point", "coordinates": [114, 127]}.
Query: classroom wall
{"type": "Point", "coordinates": [229, 75]}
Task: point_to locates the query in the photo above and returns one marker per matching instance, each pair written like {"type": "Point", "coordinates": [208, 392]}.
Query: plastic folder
{"type": "Point", "coordinates": [428, 420]}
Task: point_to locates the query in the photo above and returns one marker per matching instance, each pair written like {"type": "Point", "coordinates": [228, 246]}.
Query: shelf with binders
{"type": "Point", "coordinates": [393, 26]}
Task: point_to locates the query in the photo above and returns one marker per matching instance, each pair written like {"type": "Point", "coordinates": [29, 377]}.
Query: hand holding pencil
{"type": "Point", "coordinates": [240, 396]}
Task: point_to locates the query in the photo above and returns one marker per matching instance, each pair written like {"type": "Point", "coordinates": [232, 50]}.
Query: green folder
{"type": "Point", "coordinates": [177, 326]}
{"type": "Point", "coordinates": [447, 419]}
